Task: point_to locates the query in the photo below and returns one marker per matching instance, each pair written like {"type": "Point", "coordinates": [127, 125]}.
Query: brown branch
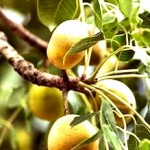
{"type": "Point", "coordinates": [32, 39]}
{"type": "Point", "coordinates": [29, 72]}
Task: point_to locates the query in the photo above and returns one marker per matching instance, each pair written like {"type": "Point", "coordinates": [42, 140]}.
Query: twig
{"type": "Point", "coordinates": [65, 101]}
{"type": "Point", "coordinates": [32, 39]}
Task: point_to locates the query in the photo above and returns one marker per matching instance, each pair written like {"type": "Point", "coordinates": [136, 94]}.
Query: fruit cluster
{"type": "Point", "coordinates": [46, 103]}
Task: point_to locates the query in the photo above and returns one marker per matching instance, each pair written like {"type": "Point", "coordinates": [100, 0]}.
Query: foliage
{"type": "Point", "coordinates": [125, 26]}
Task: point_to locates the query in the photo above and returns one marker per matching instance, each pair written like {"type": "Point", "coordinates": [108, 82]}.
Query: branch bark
{"type": "Point", "coordinates": [32, 39]}
{"type": "Point", "coordinates": [29, 72]}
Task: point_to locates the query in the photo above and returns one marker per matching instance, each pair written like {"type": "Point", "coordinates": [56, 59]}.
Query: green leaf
{"type": "Point", "coordinates": [126, 7]}
{"type": "Point", "coordinates": [88, 141]}
{"type": "Point", "coordinates": [107, 117]}
{"type": "Point", "coordinates": [145, 19]}
{"type": "Point", "coordinates": [85, 43]}
{"type": "Point", "coordinates": [142, 35]}
{"type": "Point", "coordinates": [132, 143]}
{"type": "Point", "coordinates": [102, 145]}
{"type": "Point", "coordinates": [141, 132]}
{"type": "Point", "coordinates": [134, 16]}
{"type": "Point", "coordinates": [97, 14]}
{"type": "Point", "coordinates": [145, 69]}
{"type": "Point", "coordinates": [113, 1]}
{"type": "Point", "coordinates": [52, 13]}
{"type": "Point", "coordinates": [80, 119]}
{"type": "Point", "coordinates": [118, 41]}
{"type": "Point", "coordinates": [144, 145]}
{"type": "Point", "coordinates": [112, 137]}
{"type": "Point", "coordinates": [108, 125]}
{"type": "Point", "coordinates": [125, 53]}
{"type": "Point", "coordinates": [109, 21]}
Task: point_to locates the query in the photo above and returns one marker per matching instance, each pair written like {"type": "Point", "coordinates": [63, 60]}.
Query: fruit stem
{"type": "Point", "coordinates": [118, 72]}
{"type": "Point", "coordinates": [65, 101]}
{"type": "Point", "coordinates": [124, 76]}
{"type": "Point", "coordinates": [87, 61]}
{"type": "Point", "coordinates": [93, 75]}
{"type": "Point", "coordinates": [82, 10]}
{"type": "Point", "coordinates": [65, 91]}
{"type": "Point", "coordinates": [126, 104]}
{"type": "Point", "coordinates": [97, 90]}
{"type": "Point", "coordinates": [130, 133]}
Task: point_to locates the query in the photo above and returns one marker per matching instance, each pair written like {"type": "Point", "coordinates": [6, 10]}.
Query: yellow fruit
{"type": "Point", "coordinates": [45, 103]}
{"type": "Point", "coordinates": [63, 38]}
{"type": "Point", "coordinates": [23, 139]}
{"type": "Point", "coordinates": [64, 137]}
{"type": "Point", "coordinates": [122, 91]}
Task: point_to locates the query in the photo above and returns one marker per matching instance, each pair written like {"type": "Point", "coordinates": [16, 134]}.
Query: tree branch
{"type": "Point", "coordinates": [32, 39]}
{"type": "Point", "coordinates": [29, 72]}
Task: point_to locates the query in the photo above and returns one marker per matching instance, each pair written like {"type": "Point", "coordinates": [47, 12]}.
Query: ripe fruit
{"type": "Point", "coordinates": [64, 137]}
{"type": "Point", "coordinates": [122, 91]}
{"type": "Point", "coordinates": [45, 103]}
{"type": "Point", "coordinates": [63, 38]}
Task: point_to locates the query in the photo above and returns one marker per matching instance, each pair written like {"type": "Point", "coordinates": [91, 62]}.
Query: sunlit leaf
{"type": "Point", "coordinates": [144, 145]}
{"type": "Point", "coordinates": [125, 7]}
{"type": "Point", "coordinates": [51, 13]}
{"type": "Point", "coordinates": [134, 16]}
{"type": "Point", "coordinates": [109, 21]}
{"type": "Point", "coordinates": [113, 1]}
{"type": "Point", "coordinates": [142, 35]}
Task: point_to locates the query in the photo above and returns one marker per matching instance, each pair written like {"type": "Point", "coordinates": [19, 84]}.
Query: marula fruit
{"type": "Point", "coordinates": [63, 38]}
{"type": "Point", "coordinates": [123, 91]}
{"type": "Point", "coordinates": [45, 102]}
{"type": "Point", "coordinates": [64, 137]}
